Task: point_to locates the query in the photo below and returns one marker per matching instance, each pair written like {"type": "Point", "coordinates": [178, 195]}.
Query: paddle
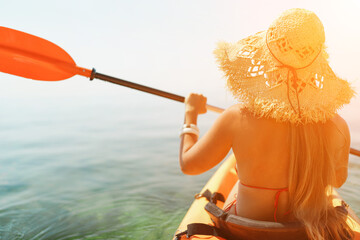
{"type": "Point", "coordinates": [29, 56]}
{"type": "Point", "coordinates": [32, 57]}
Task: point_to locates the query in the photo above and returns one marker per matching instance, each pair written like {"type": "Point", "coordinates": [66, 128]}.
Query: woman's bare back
{"type": "Point", "coordinates": [261, 147]}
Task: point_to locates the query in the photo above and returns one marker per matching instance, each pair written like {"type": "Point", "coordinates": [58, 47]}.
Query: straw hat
{"type": "Point", "coordinates": [283, 73]}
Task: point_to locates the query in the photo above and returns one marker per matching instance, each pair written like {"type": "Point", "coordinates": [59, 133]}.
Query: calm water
{"type": "Point", "coordinates": [86, 168]}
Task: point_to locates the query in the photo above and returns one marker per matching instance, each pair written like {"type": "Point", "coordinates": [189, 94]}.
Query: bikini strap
{"type": "Point", "coordinates": [265, 188]}
{"type": "Point", "coordinates": [276, 203]}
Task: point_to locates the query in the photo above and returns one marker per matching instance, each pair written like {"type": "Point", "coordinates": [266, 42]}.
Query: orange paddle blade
{"type": "Point", "coordinates": [32, 57]}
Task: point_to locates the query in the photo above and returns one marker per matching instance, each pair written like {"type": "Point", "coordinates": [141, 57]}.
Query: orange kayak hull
{"type": "Point", "coordinates": [222, 182]}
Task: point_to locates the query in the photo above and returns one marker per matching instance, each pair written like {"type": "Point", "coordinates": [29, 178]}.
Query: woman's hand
{"type": "Point", "coordinates": [195, 103]}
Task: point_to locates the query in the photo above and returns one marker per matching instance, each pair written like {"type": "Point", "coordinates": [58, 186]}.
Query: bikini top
{"type": "Point", "coordinates": [277, 196]}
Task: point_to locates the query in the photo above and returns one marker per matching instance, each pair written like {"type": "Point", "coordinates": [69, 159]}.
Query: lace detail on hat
{"type": "Point", "coordinates": [317, 81]}
{"type": "Point", "coordinates": [282, 45]}
{"type": "Point", "coordinates": [257, 68]}
{"type": "Point", "coordinates": [247, 52]}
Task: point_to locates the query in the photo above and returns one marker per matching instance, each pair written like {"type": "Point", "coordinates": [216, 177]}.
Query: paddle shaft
{"type": "Point", "coordinates": [164, 94]}
{"type": "Point", "coordinates": [355, 152]}
{"type": "Point", "coordinates": [143, 88]}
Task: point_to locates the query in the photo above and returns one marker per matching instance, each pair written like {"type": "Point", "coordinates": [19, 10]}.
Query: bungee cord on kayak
{"type": "Point", "coordinates": [285, 133]}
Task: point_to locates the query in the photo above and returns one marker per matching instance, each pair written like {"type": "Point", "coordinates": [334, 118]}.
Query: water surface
{"type": "Point", "coordinates": [84, 168]}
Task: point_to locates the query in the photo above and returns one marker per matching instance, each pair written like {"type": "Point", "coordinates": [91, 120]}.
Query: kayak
{"type": "Point", "coordinates": [222, 182]}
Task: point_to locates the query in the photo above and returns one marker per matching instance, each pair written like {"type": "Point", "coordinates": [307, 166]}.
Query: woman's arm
{"type": "Point", "coordinates": [199, 156]}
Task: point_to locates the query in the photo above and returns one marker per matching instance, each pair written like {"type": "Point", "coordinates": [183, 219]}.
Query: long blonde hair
{"type": "Point", "coordinates": [312, 172]}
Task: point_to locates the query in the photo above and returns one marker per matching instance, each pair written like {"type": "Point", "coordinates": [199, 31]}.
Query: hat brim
{"type": "Point", "coordinates": [265, 87]}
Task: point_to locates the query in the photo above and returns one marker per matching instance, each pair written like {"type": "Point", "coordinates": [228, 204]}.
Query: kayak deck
{"type": "Point", "coordinates": [222, 182]}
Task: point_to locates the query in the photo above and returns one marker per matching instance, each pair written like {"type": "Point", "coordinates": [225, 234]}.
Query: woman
{"type": "Point", "coordinates": [290, 145]}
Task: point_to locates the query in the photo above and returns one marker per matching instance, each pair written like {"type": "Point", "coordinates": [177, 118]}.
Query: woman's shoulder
{"type": "Point", "coordinates": [245, 116]}
{"type": "Point", "coordinates": [337, 119]}
{"type": "Point", "coordinates": [238, 110]}
{"type": "Point", "coordinates": [341, 125]}
{"type": "Point", "coordinates": [238, 117]}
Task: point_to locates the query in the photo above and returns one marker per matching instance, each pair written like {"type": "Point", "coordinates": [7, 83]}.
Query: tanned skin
{"type": "Point", "coordinates": [250, 138]}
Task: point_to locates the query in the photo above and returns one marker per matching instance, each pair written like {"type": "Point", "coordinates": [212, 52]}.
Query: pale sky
{"type": "Point", "coordinates": [164, 44]}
